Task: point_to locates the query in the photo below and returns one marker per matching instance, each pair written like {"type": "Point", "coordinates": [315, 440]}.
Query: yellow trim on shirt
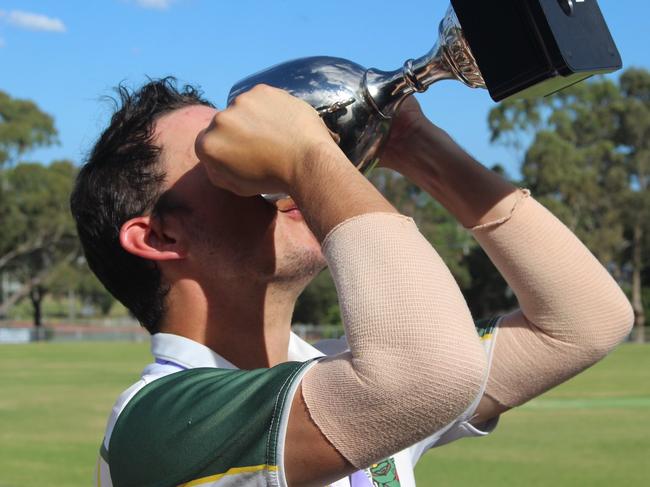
{"type": "Point", "coordinates": [232, 471]}
{"type": "Point", "coordinates": [487, 336]}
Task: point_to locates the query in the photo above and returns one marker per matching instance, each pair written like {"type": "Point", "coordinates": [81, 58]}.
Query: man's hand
{"type": "Point", "coordinates": [256, 144]}
{"type": "Point", "coordinates": [409, 127]}
{"type": "Point", "coordinates": [407, 123]}
{"type": "Point", "coordinates": [268, 141]}
{"type": "Point", "coordinates": [416, 146]}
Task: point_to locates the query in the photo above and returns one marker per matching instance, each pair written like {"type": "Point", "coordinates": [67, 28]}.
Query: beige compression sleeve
{"type": "Point", "coordinates": [572, 311]}
{"type": "Point", "coordinates": [415, 360]}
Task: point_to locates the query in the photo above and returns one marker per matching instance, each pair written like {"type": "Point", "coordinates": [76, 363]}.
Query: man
{"type": "Point", "coordinates": [168, 211]}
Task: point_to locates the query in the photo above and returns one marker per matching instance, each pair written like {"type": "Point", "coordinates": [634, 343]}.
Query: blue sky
{"type": "Point", "coordinates": [66, 55]}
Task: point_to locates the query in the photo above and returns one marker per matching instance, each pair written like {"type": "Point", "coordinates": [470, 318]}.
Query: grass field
{"type": "Point", "coordinates": [592, 431]}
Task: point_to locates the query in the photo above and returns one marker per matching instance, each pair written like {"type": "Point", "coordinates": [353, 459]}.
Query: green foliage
{"type": "Point", "coordinates": [508, 120]}
{"type": "Point", "coordinates": [23, 126]}
{"type": "Point", "coordinates": [75, 277]}
{"type": "Point", "coordinates": [36, 203]}
{"type": "Point", "coordinates": [452, 242]}
{"type": "Point", "coordinates": [40, 237]}
{"type": "Point", "coordinates": [447, 236]}
{"type": "Point", "coordinates": [318, 303]}
{"type": "Point", "coordinates": [488, 293]}
{"type": "Point", "coordinates": [645, 298]}
{"type": "Point", "coordinates": [39, 240]}
{"type": "Point", "coordinates": [39, 248]}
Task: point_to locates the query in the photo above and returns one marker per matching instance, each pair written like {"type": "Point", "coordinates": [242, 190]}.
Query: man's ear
{"type": "Point", "coordinates": [144, 236]}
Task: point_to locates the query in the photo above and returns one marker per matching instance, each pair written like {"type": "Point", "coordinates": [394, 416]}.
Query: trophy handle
{"type": "Point", "coordinates": [451, 58]}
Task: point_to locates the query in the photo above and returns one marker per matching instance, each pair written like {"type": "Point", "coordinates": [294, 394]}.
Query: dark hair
{"type": "Point", "coordinates": [122, 179]}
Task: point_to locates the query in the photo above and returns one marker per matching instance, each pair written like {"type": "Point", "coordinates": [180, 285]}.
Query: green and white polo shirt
{"type": "Point", "coordinates": [194, 419]}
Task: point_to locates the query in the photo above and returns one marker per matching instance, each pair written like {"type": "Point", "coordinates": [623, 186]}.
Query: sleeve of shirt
{"type": "Point", "coordinates": [462, 428]}
{"type": "Point", "coordinates": [206, 427]}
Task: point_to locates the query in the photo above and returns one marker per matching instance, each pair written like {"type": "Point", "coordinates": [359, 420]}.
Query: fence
{"type": "Point", "coordinates": [128, 330]}
{"type": "Point", "coordinates": [123, 330]}
{"type": "Point", "coordinates": [91, 330]}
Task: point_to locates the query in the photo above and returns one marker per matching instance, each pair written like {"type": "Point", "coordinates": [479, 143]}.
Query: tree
{"type": "Point", "coordinates": [634, 136]}
{"type": "Point", "coordinates": [75, 280]}
{"type": "Point", "coordinates": [484, 288]}
{"type": "Point", "coordinates": [448, 237]}
{"type": "Point", "coordinates": [318, 304]}
{"type": "Point", "coordinates": [588, 160]}
{"type": "Point", "coordinates": [36, 219]}
{"type": "Point", "coordinates": [36, 235]}
{"type": "Point", "coordinates": [23, 127]}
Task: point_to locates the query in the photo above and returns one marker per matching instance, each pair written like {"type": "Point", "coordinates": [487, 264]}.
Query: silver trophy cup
{"type": "Point", "coordinates": [510, 47]}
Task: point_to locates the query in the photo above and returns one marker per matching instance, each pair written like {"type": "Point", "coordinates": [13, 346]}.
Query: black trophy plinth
{"type": "Point", "coordinates": [536, 47]}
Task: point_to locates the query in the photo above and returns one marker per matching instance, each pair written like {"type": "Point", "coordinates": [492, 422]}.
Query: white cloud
{"type": "Point", "coordinates": [32, 21]}
{"type": "Point", "coordinates": [154, 4]}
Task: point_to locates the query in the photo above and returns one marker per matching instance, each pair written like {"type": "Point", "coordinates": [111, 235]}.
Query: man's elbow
{"type": "Point", "coordinates": [611, 328]}
{"type": "Point", "coordinates": [456, 376]}
{"type": "Point", "coordinates": [621, 325]}
{"type": "Point", "coordinates": [436, 384]}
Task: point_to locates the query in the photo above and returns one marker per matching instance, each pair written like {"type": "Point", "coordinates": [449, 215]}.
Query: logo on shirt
{"type": "Point", "coordinates": [384, 474]}
{"type": "Point", "coordinates": [485, 327]}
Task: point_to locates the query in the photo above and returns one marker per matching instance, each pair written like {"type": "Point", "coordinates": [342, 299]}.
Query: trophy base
{"type": "Point", "coordinates": [536, 47]}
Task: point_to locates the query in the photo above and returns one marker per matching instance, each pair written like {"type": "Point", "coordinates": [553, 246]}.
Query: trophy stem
{"type": "Point", "coordinates": [450, 58]}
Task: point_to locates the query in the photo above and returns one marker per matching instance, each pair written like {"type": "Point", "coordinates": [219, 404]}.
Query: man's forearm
{"type": "Point", "coordinates": [469, 191]}
{"type": "Point", "coordinates": [572, 312]}
{"type": "Point", "coordinates": [329, 190]}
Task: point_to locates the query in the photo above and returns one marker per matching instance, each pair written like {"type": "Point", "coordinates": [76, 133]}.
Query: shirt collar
{"type": "Point", "coordinates": [190, 354]}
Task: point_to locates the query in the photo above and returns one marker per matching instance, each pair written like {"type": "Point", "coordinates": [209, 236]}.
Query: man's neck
{"type": "Point", "coordinates": [248, 325]}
